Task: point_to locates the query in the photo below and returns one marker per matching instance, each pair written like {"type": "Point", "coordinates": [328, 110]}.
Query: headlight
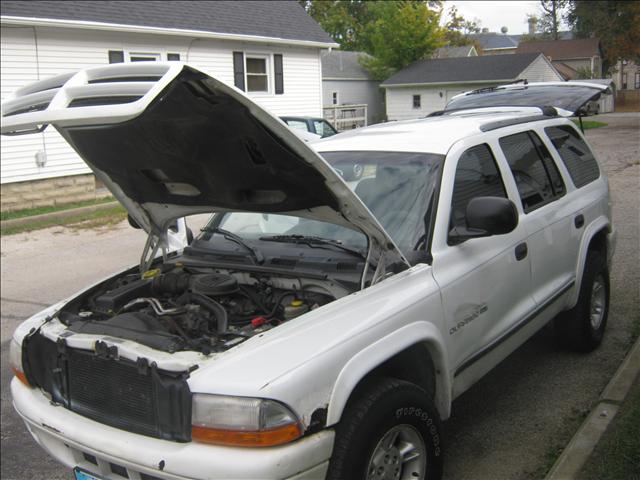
{"type": "Point", "coordinates": [240, 421]}
{"type": "Point", "coordinates": [15, 360]}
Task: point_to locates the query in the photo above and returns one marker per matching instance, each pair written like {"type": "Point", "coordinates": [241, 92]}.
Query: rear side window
{"type": "Point", "coordinates": [536, 175]}
{"type": "Point", "coordinates": [476, 176]}
{"type": "Point", "coordinates": [575, 154]}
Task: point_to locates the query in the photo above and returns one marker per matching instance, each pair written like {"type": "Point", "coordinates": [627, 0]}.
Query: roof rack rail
{"type": "Point", "coordinates": [493, 88]}
{"type": "Point", "coordinates": [546, 110]}
{"type": "Point", "coordinates": [547, 113]}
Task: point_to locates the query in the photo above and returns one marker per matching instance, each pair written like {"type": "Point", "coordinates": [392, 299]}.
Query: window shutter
{"type": "Point", "coordinates": [238, 70]}
{"type": "Point", "coordinates": [173, 57]}
{"type": "Point", "coordinates": [116, 56]}
{"type": "Point", "coordinates": [279, 78]}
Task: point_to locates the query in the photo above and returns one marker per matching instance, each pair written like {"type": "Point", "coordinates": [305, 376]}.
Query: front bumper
{"type": "Point", "coordinates": [77, 441]}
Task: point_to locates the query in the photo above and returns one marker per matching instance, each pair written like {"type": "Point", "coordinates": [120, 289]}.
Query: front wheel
{"type": "Point", "coordinates": [582, 328]}
{"type": "Point", "coordinates": [391, 432]}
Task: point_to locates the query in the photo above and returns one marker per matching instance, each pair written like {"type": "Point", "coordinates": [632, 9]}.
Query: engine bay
{"type": "Point", "coordinates": [176, 308]}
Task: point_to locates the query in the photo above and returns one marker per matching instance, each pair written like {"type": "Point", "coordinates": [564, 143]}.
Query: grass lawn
{"type": "Point", "coordinates": [617, 456]}
{"type": "Point", "coordinates": [30, 212]}
{"type": "Point", "coordinates": [587, 124]}
{"type": "Point", "coordinates": [100, 218]}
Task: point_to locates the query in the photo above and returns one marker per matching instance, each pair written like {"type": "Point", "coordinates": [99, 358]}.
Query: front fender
{"type": "Point", "coordinates": [382, 350]}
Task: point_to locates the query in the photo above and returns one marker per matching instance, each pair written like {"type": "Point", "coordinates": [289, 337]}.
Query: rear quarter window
{"type": "Point", "coordinates": [533, 170]}
{"type": "Point", "coordinates": [575, 154]}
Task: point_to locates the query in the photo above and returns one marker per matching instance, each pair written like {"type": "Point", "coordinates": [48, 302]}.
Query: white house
{"type": "Point", "coordinates": [345, 82]}
{"type": "Point", "coordinates": [427, 85]}
{"type": "Point", "coordinates": [270, 49]}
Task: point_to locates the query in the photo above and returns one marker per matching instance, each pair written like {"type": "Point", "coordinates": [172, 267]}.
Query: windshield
{"type": "Point", "coordinates": [396, 186]}
{"type": "Point", "coordinates": [323, 128]}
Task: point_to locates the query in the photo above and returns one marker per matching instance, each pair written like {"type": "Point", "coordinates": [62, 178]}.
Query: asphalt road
{"type": "Point", "coordinates": [510, 425]}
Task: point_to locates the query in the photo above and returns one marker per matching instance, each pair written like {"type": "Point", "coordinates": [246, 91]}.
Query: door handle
{"type": "Point", "coordinates": [579, 221]}
{"type": "Point", "coordinates": [521, 251]}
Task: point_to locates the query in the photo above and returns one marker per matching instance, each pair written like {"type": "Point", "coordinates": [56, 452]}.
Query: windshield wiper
{"type": "Point", "coordinates": [313, 242]}
{"type": "Point", "coordinates": [227, 235]}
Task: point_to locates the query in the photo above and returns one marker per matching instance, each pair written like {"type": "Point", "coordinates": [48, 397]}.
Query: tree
{"type": "Point", "coordinates": [395, 33]}
{"type": "Point", "coordinates": [402, 32]}
{"type": "Point", "coordinates": [550, 18]}
{"type": "Point", "coordinates": [615, 23]}
{"type": "Point", "coordinates": [457, 29]}
{"type": "Point", "coordinates": [343, 20]}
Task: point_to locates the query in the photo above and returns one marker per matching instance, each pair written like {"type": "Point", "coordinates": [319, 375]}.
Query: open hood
{"type": "Point", "coordinates": [168, 140]}
{"type": "Point", "coordinates": [568, 98]}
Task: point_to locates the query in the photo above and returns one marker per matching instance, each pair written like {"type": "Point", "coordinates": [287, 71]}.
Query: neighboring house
{"type": "Point", "coordinates": [500, 43]}
{"type": "Point", "coordinates": [455, 52]}
{"type": "Point", "coordinates": [427, 85]}
{"type": "Point", "coordinates": [627, 75]}
{"type": "Point", "coordinates": [572, 58]}
{"type": "Point", "coordinates": [269, 49]}
{"type": "Point", "coordinates": [345, 82]}
{"type": "Point", "coordinates": [495, 43]}
{"type": "Point", "coordinates": [606, 102]}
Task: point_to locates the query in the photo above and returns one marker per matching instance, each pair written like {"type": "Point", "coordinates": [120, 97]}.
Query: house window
{"type": "Point", "coordinates": [637, 81]}
{"type": "Point", "coordinates": [144, 57]}
{"type": "Point", "coordinates": [334, 98]}
{"type": "Point", "coordinates": [416, 101]}
{"type": "Point", "coordinates": [257, 73]}
{"type": "Point", "coordinates": [116, 56]}
{"type": "Point", "coordinates": [624, 81]}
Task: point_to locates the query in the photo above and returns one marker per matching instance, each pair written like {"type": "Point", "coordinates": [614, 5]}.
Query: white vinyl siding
{"type": "Point", "coordinates": [63, 50]}
{"type": "Point", "coordinates": [356, 92]}
{"type": "Point", "coordinates": [541, 70]}
{"type": "Point", "coordinates": [434, 98]}
{"type": "Point", "coordinates": [399, 101]}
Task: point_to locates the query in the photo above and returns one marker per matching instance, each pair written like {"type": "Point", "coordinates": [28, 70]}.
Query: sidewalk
{"type": "Point", "coordinates": [577, 452]}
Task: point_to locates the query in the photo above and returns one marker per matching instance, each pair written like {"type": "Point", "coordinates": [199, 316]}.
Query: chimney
{"type": "Point", "coordinates": [532, 21]}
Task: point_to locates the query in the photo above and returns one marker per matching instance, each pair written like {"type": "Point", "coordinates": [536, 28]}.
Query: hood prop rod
{"type": "Point", "coordinates": [580, 120]}
{"type": "Point", "coordinates": [150, 251]}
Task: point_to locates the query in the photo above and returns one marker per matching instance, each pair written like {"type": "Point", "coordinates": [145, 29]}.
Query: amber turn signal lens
{"type": "Point", "coordinates": [20, 376]}
{"type": "Point", "coordinates": [239, 438]}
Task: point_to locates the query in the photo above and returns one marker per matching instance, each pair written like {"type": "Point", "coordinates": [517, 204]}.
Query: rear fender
{"type": "Point", "coordinates": [599, 224]}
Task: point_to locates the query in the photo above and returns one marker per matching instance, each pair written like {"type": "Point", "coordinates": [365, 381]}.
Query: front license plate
{"type": "Point", "coordinates": [84, 475]}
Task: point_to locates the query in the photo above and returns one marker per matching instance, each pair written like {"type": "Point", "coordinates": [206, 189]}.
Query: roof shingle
{"type": "Point", "coordinates": [563, 49]}
{"type": "Point", "coordinates": [275, 19]}
{"type": "Point", "coordinates": [491, 41]}
{"type": "Point", "coordinates": [343, 64]}
{"type": "Point", "coordinates": [463, 69]}
{"type": "Point", "coordinates": [454, 52]}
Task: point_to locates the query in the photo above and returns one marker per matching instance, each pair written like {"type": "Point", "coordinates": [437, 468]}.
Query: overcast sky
{"type": "Point", "coordinates": [497, 14]}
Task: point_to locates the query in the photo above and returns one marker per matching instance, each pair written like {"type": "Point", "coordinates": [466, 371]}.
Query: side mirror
{"type": "Point", "coordinates": [486, 216]}
{"type": "Point", "coordinates": [133, 222]}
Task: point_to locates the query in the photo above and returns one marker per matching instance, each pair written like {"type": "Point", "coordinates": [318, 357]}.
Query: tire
{"type": "Point", "coordinates": [581, 329]}
{"type": "Point", "coordinates": [354, 173]}
{"type": "Point", "coordinates": [403, 415]}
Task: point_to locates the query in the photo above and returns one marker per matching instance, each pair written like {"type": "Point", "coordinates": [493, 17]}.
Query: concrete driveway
{"type": "Point", "coordinates": [510, 425]}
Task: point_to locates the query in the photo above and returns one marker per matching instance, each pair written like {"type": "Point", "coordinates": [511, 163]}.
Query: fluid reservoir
{"type": "Point", "coordinates": [296, 308]}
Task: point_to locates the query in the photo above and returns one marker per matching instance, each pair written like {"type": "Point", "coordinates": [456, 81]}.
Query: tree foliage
{"type": "Point", "coordinates": [457, 28]}
{"type": "Point", "coordinates": [550, 17]}
{"type": "Point", "coordinates": [343, 20]}
{"type": "Point", "coordinates": [401, 33]}
{"type": "Point", "coordinates": [615, 23]}
{"type": "Point", "coordinates": [395, 33]}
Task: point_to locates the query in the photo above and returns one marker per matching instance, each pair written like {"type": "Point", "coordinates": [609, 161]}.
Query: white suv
{"type": "Point", "coordinates": [314, 328]}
